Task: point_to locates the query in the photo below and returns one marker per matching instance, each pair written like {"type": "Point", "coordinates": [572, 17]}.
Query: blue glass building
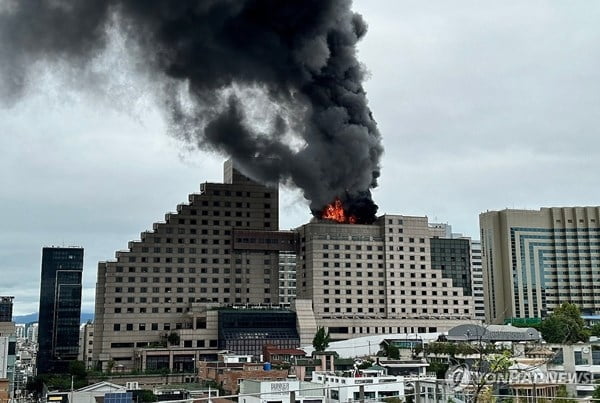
{"type": "Point", "coordinates": [60, 309]}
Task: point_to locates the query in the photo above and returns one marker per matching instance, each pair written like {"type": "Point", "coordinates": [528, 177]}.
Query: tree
{"type": "Point", "coordinates": [485, 366]}
{"type": "Point", "coordinates": [145, 395]}
{"type": "Point", "coordinates": [595, 329]}
{"type": "Point", "coordinates": [35, 385]}
{"type": "Point", "coordinates": [77, 369]}
{"type": "Point", "coordinates": [500, 363]}
{"type": "Point", "coordinates": [110, 365]}
{"type": "Point", "coordinates": [596, 394]}
{"type": "Point", "coordinates": [321, 340]}
{"type": "Point", "coordinates": [392, 352]}
{"type": "Point", "coordinates": [440, 368]}
{"type": "Point", "coordinates": [562, 395]}
{"type": "Point", "coordinates": [173, 338]}
{"type": "Point", "coordinates": [565, 325]}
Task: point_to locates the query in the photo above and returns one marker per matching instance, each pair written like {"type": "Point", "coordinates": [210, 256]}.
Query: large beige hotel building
{"type": "Point", "coordinates": [534, 260]}
{"type": "Point", "coordinates": [218, 274]}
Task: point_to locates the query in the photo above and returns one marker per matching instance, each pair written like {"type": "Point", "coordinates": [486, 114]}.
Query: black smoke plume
{"type": "Point", "coordinates": [295, 59]}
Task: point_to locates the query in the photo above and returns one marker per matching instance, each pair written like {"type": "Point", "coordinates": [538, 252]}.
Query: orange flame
{"type": "Point", "coordinates": [335, 212]}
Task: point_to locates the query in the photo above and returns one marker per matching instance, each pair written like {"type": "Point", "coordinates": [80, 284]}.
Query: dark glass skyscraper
{"type": "Point", "coordinates": [60, 308]}
{"type": "Point", "coordinates": [6, 307]}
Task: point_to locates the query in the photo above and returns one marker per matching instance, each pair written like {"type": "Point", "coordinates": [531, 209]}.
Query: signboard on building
{"type": "Point", "coordinates": [280, 387]}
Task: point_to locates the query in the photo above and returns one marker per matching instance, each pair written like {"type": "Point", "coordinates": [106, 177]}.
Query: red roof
{"type": "Point", "coordinates": [290, 351]}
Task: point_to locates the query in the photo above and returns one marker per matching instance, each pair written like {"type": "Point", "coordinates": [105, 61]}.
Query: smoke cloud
{"type": "Point", "coordinates": [274, 84]}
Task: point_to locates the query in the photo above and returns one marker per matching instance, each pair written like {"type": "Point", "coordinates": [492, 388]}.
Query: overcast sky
{"type": "Point", "coordinates": [482, 106]}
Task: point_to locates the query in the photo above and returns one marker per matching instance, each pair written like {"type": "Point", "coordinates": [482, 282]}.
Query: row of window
{"type": "Point", "coordinates": [168, 290]}
{"type": "Point", "coordinates": [170, 299]}
{"type": "Point", "coordinates": [349, 256]}
{"type": "Point", "coordinates": [182, 308]}
{"type": "Point", "coordinates": [217, 192]}
{"type": "Point", "coordinates": [132, 258]}
{"type": "Point", "coordinates": [178, 290]}
{"type": "Point", "coordinates": [227, 203]}
{"type": "Point", "coordinates": [401, 247]}
{"type": "Point", "coordinates": [191, 279]}
{"type": "Point", "coordinates": [190, 270]}
{"type": "Point", "coordinates": [392, 291]}
{"type": "Point", "coordinates": [379, 266]}
{"type": "Point", "coordinates": [163, 228]}
{"type": "Point", "coordinates": [358, 265]}
{"type": "Point", "coordinates": [181, 280]}
{"type": "Point", "coordinates": [159, 259]}
{"type": "Point", "coordinates": [326, 273]}
{"type": "Point", "coordinates": [185, 343]}
{"type": "Point", "coordinates": [359, 283]}
{"type": "Point", "coordinates": [224, 213]}
{"type": "Point", "coordinates": [381, 310]}
{"type": "Point", "coordinates": [356, 247]}
{"type": "Point", "coordinates": [351, 301]}
{"type": "Point", "coordinates": [422, 258]}
{"type": "Point", "coordinates": [399, 221]}
{"type": "Point", "coordinates": [570, 221]}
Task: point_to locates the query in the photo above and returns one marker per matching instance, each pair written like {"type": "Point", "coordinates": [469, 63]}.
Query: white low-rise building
{"type": "Point", "coordinates": [91, 393]}
{"type": "Point", "coordinates": [373, 384]}
{"type": "Point", "coordinates": [255, 391]}
{"type": "Point", "coordinates": [229, 358]}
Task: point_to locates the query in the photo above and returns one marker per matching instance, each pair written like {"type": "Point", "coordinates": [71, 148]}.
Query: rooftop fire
{"type": "Point", "coordinates": [349, 208]}
{"type": "Point", "coordinates": [335, 212]}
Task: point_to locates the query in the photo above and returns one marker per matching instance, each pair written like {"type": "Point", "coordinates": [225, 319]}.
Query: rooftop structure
{"type": "Point", "coordinates": [492, 333]}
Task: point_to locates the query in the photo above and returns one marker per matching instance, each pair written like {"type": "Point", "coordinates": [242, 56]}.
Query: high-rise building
{"type": "Point", "coordinates": [534, 260]}
{"type": "Point", "coordinates": [60, 308]}
{"type": "Point", "coordinates": [6, 308]}
{"type": "Point", "coordinates": [379, 278]}
{"type": "Point", "coordinates": [31, 332]}
{"type": "Point", "coordinates": [86, 343]}
{"type": "Point", "coordinates": [4, 347]}
{"type": "Point", "coordinates": [20, 330]}
{"type": "Point", "coordinates": [201, 280]}
{"type": "Point", "coordinates": [221, 249]}
{"type": "Point", "coordinates": [8, 342]}
{"type": "Point", "coordinates": [477, 280]}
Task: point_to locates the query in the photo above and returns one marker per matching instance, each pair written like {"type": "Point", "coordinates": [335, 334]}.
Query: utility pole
{"type": "Point", "coordinates": [417, 391]}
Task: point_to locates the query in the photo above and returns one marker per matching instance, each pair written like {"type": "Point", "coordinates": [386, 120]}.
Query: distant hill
{"type": "Point", "coordinates": [33, 317]}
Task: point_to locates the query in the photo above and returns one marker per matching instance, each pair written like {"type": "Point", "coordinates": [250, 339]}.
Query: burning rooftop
{"type": "Point", "coordinates": [351, 209]}
{"type": "Point", "coordinates": [335, 212]}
